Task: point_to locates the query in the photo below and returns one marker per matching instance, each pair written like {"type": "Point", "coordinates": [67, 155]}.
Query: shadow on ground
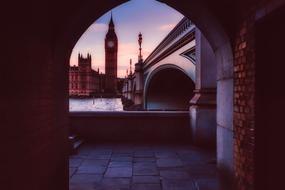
{"type": "Point", "coordinates": [142, 167]}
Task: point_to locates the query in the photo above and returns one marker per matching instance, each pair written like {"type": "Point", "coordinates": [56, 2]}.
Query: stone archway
{"type": "Point", "coordinates": [35, 142]}
{"type": "Point", "coordinates": [212, 29]}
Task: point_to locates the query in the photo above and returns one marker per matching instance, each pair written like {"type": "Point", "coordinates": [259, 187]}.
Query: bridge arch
{"type": "Point", "coordinates": [168, 87]}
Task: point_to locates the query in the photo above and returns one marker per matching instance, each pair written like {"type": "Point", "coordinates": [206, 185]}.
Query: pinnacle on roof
{"type": "Point", "coordinates": [111, 23]}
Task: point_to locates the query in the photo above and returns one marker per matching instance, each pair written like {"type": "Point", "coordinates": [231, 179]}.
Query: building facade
{"type": "Point", "coordinates": [83, 80]}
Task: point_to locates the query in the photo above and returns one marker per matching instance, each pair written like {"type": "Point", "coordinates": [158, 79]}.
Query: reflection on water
{"type": "Point", "coordinates": [96, 104]}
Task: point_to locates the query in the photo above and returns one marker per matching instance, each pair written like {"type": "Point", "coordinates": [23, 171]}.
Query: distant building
{"type": "Point", "coordinates": [111, 59]}
{"type": "Point", "coordinates": [84, 81]}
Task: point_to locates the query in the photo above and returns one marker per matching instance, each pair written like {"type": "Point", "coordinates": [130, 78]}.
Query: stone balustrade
{"type": "Point", "coordinates": [132, 126]}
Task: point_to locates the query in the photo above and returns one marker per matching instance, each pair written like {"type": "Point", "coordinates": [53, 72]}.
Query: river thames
{"type": "Point", "coordinates": [96, 104]}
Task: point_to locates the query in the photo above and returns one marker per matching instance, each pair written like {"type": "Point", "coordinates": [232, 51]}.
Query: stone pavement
{"type": "Point", "coordinates": [142, 167]}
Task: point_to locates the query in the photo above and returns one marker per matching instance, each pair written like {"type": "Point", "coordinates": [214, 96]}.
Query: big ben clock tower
{"type": "Point", "coordinates": [111, 52]}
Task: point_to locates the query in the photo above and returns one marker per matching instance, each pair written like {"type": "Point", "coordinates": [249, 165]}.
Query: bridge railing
{"type": "Point", "coordinates": [182, 28]}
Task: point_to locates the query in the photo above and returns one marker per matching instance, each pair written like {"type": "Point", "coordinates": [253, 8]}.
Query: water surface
{"type": "Point", "coordinates": [96, 104]}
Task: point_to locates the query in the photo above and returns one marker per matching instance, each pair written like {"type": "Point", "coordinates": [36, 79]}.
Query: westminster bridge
{"type": "Point", "coordinates": [179, 75]}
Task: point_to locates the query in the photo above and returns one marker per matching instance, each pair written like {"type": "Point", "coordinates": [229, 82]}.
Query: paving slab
{"type": "Point", "coordinates": [113, 184]}
{"type": "Point", "coordinates": [91, 169]}
{"type": "Point", "coordinates": [81, 186]}
{"type": "Point", "coordinates": [166, 154]}
{"type": "Point", "coordinates": [122, 154]}
{"type": "Point", "coordinates": [174, 174]}
{"type": "Point", "coordinates": [137, 160]}
{"type": "Point", "coordinates": [139, 167]}
{"type": "Point", "coordinates": [145, 168]}
{"type": "Point", "coordinates": [202, 171]}
{"type": "Point", "coordinates": [78, 156]}
{"type": "Point", "coordinates": [119, 172]}
{"type": "Point", "coordinates": [144, 154]}
{"type": "Point", "coordinates": [208, 184]}
{"type": "Point", "coordinates": [123, 151]}
{"type": "Point", "coordinates": [169, 162]}
{"type": "Point", "coordinates": [85, 150]}
{"type": "Point", "coordinates": [99, 156]}
{"type": "Point", "coordinates": [94, 162]}
{"type": "Point", "coordinates": [101, 152]}
{"type": "Point", "coordinates": [72, 171]}
{"type": "Point", "coordinates": [86, 178]}
{"type": "Point", "coordinates": [146, 179]}
{"type": "Point", "coordinates": [114, 164]}
{"type": "Point", "coordinates": [122, 159]}
{"type": "Point", "coordinates": [146, 187]}
{"type": "Point", "coordinates": [178, 185]}
{"type": "Point", "coordinates": [75, 162]}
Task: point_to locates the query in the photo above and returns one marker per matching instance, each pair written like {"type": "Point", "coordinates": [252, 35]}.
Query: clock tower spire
{"type": "Point", "coordinates": [111, 56]}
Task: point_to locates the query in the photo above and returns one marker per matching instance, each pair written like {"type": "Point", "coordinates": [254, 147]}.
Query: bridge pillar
{"type": "Point", "coordinates": [203, 103]}
{"type": "Point", "coordinates": [203, 117]}
{"type": "Point", "coordinates": [139, 85]}
{"type": "Point", "coordinates": [130, 86]}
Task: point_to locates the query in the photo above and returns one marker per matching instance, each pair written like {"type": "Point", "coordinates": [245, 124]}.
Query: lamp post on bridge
{"type": "Point", "coordinates": [138, 77]}
{"type": "Point", "coordinates": [140, 44]}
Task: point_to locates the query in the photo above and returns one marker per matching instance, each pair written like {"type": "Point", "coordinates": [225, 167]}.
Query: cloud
{"type": "Point", "coordinates": [98, 27]}
{"type": "Point", "coordinates": [166, 27]}
{"type": "Point", "coordinates": [128, 49]}
{"type": "Point", "coordinates": [132, 49]}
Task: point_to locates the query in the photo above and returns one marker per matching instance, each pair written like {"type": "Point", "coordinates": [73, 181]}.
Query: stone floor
{"type": "Point", "coordinates": [142, 167]}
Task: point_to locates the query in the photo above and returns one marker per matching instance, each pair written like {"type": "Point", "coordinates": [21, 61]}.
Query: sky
{"type": "Point", "coordinates": [152, 18]}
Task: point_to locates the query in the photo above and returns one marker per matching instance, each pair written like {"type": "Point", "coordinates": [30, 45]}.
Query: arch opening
{"type": "Point", "coordinates": [219, 41]}
{"type": "Point", "coordinates": [169, 89]}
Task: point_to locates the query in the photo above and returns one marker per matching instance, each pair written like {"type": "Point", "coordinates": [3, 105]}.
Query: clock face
{"type": "Point", "coordinates": [110, 44]}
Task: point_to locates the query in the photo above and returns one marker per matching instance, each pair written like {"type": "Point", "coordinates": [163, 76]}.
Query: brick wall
{"type": "Point", "coordinates": [244, 91]}
{"type": "Point", "coordinates": [244, 70]}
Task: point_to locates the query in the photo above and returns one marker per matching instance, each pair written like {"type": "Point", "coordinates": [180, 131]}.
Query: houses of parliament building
{"type": "Point", "coordinates": [85, 82]}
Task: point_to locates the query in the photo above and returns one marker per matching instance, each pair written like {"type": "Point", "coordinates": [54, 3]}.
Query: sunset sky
{"type": "Point", "coordinates": [153, 19]}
